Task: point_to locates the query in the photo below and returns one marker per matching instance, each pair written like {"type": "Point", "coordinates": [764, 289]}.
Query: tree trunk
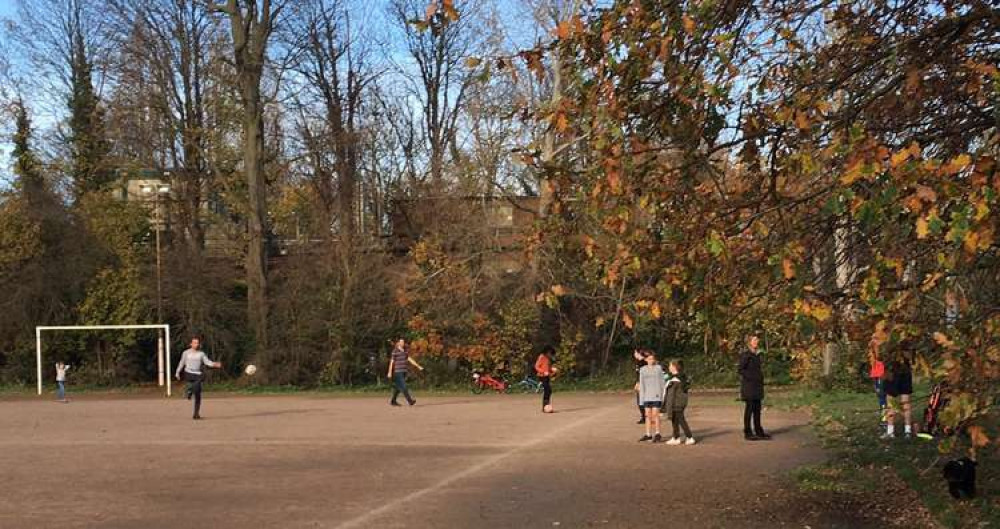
{"type": "Point", "coordinates": [251, 29]}
{"type": "Point", "coordinates": [253, 161]}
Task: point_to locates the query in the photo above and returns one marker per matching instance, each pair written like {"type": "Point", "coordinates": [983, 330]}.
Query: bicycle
{"type": "Point", "coordinates": [483, 381]}
{"type": "Point", "coordinates": [528, 385]}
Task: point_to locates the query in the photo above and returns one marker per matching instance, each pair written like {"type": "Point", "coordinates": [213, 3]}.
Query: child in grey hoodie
{"type": "Point", "coordinates": [650, 388]}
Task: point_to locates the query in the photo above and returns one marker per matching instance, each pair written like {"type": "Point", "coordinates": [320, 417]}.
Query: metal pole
{"type": "Point", "coordinates": [167, 329]}
{"type": "Point", "coordinates": [38, 357]}
{"type": "Point", "coordinates": [159, 355]}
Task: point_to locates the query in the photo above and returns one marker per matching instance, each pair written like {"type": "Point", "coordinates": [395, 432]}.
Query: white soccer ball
{"type": "Point", "coordinates": [250, 370]}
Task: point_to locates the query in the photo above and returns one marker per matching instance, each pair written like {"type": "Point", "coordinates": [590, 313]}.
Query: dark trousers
{"type": "Point", "coordinates": [642, 411]}
{"type": "Point", "coordinates": [880, 391]}
{"type": "Point", "coordinates": [399, 386]}
{"type": "Point", "coordinates": [194, 390]}
{"type": "Point", "coordinates": [679, 422]}
{"type": "Point", "coordinates": [752, 412]}
{"type": "Point", "coordinates": [546, 390]}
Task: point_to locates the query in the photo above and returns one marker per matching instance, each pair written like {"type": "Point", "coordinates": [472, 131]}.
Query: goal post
{"type": "Point", "coordinates": [160, 351]}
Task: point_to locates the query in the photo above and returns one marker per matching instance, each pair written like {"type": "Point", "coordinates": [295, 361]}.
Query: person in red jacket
{"type": "Point", "coordinates": [545, 371]}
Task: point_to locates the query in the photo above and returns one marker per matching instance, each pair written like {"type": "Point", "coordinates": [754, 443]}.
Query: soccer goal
{"type": "Point", "coordinates": [162, 360]}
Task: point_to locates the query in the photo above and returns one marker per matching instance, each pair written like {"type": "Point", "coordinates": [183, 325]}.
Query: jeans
{"type": "Point", "coordinates": [679, 422]}
{"type": "Point", "coordinates": [752, 412]}
{"type": "Point", "coordinates": [546, 390]}
{"type": "Point", "coordinates": [61, 390]}
{"type": "Point", "coordinates": [194, 390]}
{"type": "Point", "coordinates": [880, 391]}
{"type": "Point", "coordinates": [399, 386]}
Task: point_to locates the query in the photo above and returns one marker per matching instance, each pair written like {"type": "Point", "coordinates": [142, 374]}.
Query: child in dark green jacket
{"type": "Point", "coordinates": [675, 400]}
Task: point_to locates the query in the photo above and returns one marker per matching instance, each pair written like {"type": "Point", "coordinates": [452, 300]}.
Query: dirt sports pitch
{"type": "Point", "coordinates": [339, 462]}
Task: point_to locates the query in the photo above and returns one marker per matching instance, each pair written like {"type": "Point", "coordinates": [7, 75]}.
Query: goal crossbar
{"type": "Point", "coordinates": [40, 328]}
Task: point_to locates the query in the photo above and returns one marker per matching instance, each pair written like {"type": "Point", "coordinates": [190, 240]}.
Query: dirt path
{"type": "Point", "coordinates": [490, 461]}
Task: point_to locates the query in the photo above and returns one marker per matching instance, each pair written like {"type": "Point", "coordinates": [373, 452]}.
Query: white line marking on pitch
{"type": "Point", "coordinates": [366, 518]}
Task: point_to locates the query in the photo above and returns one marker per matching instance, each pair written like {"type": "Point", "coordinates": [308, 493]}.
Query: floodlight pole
{"type": "Point", "coordinates": [159, 297]}
{"type": "Point", "coordinates": [156, 191]}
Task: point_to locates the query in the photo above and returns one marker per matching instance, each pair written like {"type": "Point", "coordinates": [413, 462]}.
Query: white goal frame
{"type": "Point", "coordinates": [164, 327]}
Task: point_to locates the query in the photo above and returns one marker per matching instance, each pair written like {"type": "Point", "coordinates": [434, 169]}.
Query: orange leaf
{"type": "Point", "coordinates": [627, 320]}
{"type": "Point", "coordinates": [449, 10]}
{"type": "Point", "coordinates": [563, 29]}
{"type": "Point", "coordinates": [432, 9]}
{"type": "Point", "coordinates": [802, 120]}
{"type": "Point", "coordinates": [788, 268]}
{"type": "Point", "coordinates": [853, 173]}
{"type": "Point", "coordinates": [559, 290]}
{"type": "Point", "coordinates": [930, 281]}
{"type": "Point", "coordinates": [978, 436]}
{"type": "Point", "coordinates": [922, 228]}
{"type": "Point", "coordinates": [957, 164]}
{"type": "Point", "coordinates": [689, 25]}
{"type": "Point", "coordinates": [614, 180]}
{"type": "Point", "coordinates": [971, 242]}
{"type": "Point", "coordinates": [912, 80]}
{"type": "Point", "coordinates": [926, 194]}
{"type": "Point", "coordinates": [562, 123]}
{"type": "Point", "coordinates": [655, 310]}
{"type": "Point", "coordinates": [943, 340]}
{"type": "Point", "coordinates": [899, 158]}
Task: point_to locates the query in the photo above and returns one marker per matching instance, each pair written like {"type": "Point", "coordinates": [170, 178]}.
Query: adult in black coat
{"type": "Point", "coordinates": [752, 389]}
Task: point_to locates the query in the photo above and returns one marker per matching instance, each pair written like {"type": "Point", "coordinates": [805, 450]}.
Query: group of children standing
{"type": "Point", "coordinates": [666, 393]}
{"type": "Point", "coordinates": [894, 387]}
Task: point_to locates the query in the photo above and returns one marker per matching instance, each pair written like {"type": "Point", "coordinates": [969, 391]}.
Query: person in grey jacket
{"type": "Point", "coordinates": [191, 364]}
{"type": "Point", "coordinates": [650, 387]}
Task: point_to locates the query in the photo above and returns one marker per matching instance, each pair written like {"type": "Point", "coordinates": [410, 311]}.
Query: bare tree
{"type": "Point", "coordinates": [172, 40]}
{"type": "Point", "coordinates": [438, 79]}
{"type": "Point", "coordinates": [334, 63]}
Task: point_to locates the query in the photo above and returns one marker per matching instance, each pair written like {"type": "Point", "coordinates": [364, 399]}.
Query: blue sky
{"type": "Point", "coordinates": [6, 8]}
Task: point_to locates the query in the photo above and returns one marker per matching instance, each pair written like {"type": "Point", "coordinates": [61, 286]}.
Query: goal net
{"type": "Point", "coordinates": [162, 353]}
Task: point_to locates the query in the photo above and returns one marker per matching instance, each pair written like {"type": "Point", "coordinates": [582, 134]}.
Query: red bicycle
{"type": "Point", "coordinates": [483, 381]}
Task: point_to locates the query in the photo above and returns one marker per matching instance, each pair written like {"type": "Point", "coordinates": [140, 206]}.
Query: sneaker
{"type": "Point", "coordinates": [674, 441]}
{"type": "Point", "coordinates": [750, 437]}
{"type": "Point", "coordinates": [657, 438]}
{"type": "Point", "coordinates": [412, 402]}
{"type": "Point", "coordinates": [887, 435]}
{"type": "Point", "coordinates": [689, 441]}
{"type": "Point", "coordinates": [642, 420]}
{"type": "Point", "coordinates": [907, 435]}
{"type": "Point", "coordinates": [645, 438]}
{"type": "Point", "coordinates": [197, 417]}
{"type": "Point", "coordinates": [763, 436]}
{"type": "Point", "coordinates": [395, 404]}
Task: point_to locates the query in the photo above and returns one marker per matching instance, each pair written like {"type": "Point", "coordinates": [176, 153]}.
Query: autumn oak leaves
{"type": "Point", "coordinates": [802, 167]}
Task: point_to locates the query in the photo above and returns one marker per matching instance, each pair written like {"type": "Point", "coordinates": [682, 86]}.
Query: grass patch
{"type": "Point", "coordinates": [848, 425]}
